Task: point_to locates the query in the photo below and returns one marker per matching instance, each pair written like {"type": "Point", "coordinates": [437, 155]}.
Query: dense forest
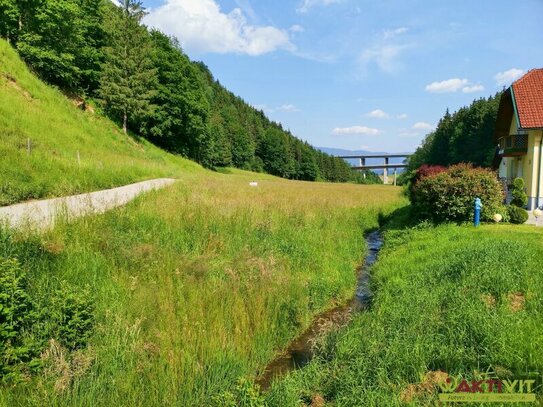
{"type": "Point", "coordinates": [465, 136]}
{"type": "Point", "coordinates": [143, 80]}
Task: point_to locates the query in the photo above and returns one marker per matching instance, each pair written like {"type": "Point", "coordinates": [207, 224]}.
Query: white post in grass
{"type": "Point", "coordinates": [537, 214]}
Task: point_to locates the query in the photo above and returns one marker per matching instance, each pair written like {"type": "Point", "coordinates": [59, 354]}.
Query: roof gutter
{"type": "Point", "coordinates": [539, 171]}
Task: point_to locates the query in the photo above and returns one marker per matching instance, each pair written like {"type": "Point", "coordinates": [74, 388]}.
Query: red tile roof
{"type": "Point", "coordinates": [528, 92]}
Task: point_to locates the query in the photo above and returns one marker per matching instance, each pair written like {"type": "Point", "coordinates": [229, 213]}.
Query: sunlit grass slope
{"type": "Point", "coordinates": [452, 299]}
{"type": "Point", "coordinates": [58, 130]}
{"type": "Point", "coordinates": [197, 285]}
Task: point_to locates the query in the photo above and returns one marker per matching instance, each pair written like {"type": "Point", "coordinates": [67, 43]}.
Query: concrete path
{"type": "Point", "coordinates": [42, 214]}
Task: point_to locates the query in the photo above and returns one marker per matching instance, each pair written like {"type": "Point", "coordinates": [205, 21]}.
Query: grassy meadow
{"type": "Point", "coordinates": [452, 299]}
{"type": "Point", "coordinates": [29, 109]}
{"type": "Point", "coordinates": [194, 287]}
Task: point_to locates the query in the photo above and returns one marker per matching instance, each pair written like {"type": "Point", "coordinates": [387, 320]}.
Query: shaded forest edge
{"type": "Point", "coordinates": [466, 136]}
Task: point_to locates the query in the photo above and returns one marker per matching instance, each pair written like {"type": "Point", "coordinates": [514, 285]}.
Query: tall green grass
{"type": "Point", "coordinates": [195, 286]}
{"type": "Point", "coordinates": [58, 131]}
{"type": "Point", "coordinates": [449, 299]}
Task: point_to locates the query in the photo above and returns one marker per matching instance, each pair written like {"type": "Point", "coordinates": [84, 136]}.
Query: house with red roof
{"type": "Point", "coordinates": [519, 134]}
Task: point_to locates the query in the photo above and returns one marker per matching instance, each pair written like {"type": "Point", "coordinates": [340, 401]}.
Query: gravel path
{"type": "Point", "coordinates": [42, 214]}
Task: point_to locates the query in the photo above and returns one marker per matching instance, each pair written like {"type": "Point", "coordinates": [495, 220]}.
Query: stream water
{"type": "Point", "coordinates": [300, 350]}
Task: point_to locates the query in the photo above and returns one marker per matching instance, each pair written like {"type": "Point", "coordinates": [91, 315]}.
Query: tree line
{"type": "Point", "coordinates": [465, 136]}
{"type": "Point", "coordinates": [144, 81]}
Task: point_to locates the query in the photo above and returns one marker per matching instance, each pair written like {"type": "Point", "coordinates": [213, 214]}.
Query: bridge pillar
{"type": "Point", "coordinates": [362, 162]}
{"type": "Point", "coordinates": [395, 176]}
{"type": "Point", "coordinates": [385, 172]}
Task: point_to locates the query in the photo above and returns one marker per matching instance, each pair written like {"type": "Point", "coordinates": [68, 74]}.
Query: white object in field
{"type": "Point", "coordinates": [497, 217]}
{"type": "Point", "coordinates": [253, 184]}
{"type": "Point", "coordinates": [537, 214]}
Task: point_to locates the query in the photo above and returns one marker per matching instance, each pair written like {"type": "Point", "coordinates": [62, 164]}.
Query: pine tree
{"type": "Point", "coordinates": [128, 80]}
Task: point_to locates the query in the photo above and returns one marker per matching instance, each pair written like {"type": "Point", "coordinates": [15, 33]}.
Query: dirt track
{"type": "Point", "coordinates": [42, 214]}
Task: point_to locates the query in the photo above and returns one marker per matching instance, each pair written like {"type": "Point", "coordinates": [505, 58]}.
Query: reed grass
{"type": "Point", "coordinates": [197, 285]}
{"type": "Point", "coordinates": [451, 299]}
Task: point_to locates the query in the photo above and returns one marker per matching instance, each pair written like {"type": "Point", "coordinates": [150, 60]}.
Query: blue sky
{"type": "Point", "coordinates": [373, 75]}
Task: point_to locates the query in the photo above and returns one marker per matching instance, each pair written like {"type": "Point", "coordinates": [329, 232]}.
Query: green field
{"type": "Point", "coordinates": [452, 299]}
{"type": "Point", "coordinates": [57, 130]}
{"type": "Point", "coordinates": [183, 296]}
{"type": "Point", "coordinates": [194, 286]}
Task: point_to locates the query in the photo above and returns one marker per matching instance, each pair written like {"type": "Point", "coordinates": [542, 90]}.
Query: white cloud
{"type": "Point", "coordinates": [385, 51]}
{"type": "Point", "coordinates": [378, 114]}
{"type": "Point", "coordinates": [449, 85]}
{"type": "Point", "coordinates": [506, 77]}
{"type": "Point", "coordinates": [387, 34]}
{"type": "Point", "coordinates": [473, 88]}
{"type": "Point", "coordinates": [384, 56]}
{"type": "Point", "coordinates": [201, 26]}
{"type": "Point", "coordinates": [454, 85]}
{"type": "Point", "coordinates": [402, 116]}
{"type": "Point", "coordinates": [355, 130]}
{"type": "Point", "coordinates": [287, 107]}
{"type": "Point", "coordinates": [296, 28]}
{"type": "Point", "coordinates": [422, 126]}
{"type": "Point", "coordinates": [308, 4]}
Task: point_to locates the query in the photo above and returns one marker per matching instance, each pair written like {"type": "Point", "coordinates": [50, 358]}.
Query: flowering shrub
{"type": "Point", "coordinates": [429, 170]}
{"type": "Point", "coordinates": [448, 195]}
{"type": "Point", "coordinates": [422, 172]}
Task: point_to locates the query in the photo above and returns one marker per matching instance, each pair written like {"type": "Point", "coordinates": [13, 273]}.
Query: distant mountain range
{"type": "Point", "coordinates": [369, 161]}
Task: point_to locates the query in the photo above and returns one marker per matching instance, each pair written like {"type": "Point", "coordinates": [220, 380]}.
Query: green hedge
{"type": "Point", "coordinates": [516, 215]}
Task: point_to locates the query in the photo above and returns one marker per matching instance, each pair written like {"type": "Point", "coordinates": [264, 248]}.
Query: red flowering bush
{"type": "Point", "coordinates": [428, 170]}
{"type": "Point", "coordinates": [448, 195]}
{"type": "Point", "coordinates": [420, 173]}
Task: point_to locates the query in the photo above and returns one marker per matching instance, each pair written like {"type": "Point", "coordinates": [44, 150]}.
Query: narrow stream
{"type": "Point", "coordinates": [300, 352]}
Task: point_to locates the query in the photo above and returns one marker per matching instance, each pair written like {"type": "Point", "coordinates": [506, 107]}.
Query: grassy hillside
{"type": "Point", "coordinates": [29, 109]}
{"type": "Point", "coordinates": [452, 299]}
{"type": "Point", "coordinates": [188, 289]}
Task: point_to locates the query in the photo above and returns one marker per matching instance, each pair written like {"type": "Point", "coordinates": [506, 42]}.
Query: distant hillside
{"type": "Point", "coordinates": [48, 147]}
{"type": "Point", "coordinates": [369, 161]}
{"type": "Point", "coordinates": [145, 82]}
